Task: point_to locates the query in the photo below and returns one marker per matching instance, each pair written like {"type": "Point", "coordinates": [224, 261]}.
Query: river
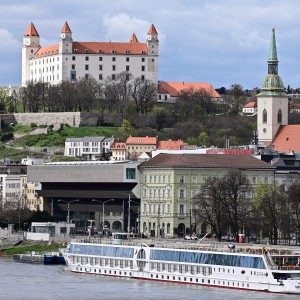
{"type": "Point", "coordinates": [20, 281]}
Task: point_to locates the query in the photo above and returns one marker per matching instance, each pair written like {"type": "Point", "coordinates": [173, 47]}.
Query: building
{"type": "Point", "coordinates": [169, 182]}
{"type": "Point", "coordinates": [170, 145]}
{"type": "Point", "coordinates": [250, 109]}
{"type": "Point", "coordinates": [73, 60]}
{"type": "Point", "coordinates": [272, 110]}
{"type": "Point", "coordinates": [168, 92]}
{"type": "Point", "coordinates": [83, 191]}
{"type": "Point", "coordinates": [135, 146]}
{"type": "Point", "coordinates": [118, 151]}
{"type": "Point", "coordinates": [92, 148]}
{"type": "Point", "coordinates": [295, 108]}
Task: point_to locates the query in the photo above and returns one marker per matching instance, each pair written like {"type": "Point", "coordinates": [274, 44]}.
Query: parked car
{"type": "Point", "coordinates": [206, 235]}
{"type": "Point", "coordinates": [191, 237]}
{"type": "Point", "coordinates": [227, 238]}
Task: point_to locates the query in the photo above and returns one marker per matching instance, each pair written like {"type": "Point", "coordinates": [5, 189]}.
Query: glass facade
{"type": "Point", "coordinates": [98, 250]}
{"type": "Point", "coordinates": [208, 258]}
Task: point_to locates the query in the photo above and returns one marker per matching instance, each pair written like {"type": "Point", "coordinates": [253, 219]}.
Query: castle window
{"type": "Point", "coordinates": [279, 116]}
{"type": "Point", "coordinates": [265, 117]}
{"type": "Point", "coordinates": [100, 58]}
{"type": "Point", "coordinates": [113, 58]}
{"type": "Point", "coordinates": [143, 68]}
{"type": "Point", "coordinates": [114, 68]}
{"type": "Point", "coordinates": [86, 58]}
{"type": "Point", "coordinates": [100, 76]}
{"type": "Point", "coordinates": [86, 67]}
{"type": "Point", "coordinates": [127, 68]}
{"type": "Point", "coordinates": [127, 58]}
{"type": "Point", "coordinates": [113, 77]}
{"type": "Point", "coordinates": [143, 77]}
{"type": "Point", "coordinates": [143, 59]}
{"type": "Point", "coordinates": [100, 68]}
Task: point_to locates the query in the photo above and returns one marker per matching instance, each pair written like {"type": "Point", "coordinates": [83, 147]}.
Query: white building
{"type": "Point", "coordinates": [73, 60]}
{"type": "Point", "coordinates": [88, 147]}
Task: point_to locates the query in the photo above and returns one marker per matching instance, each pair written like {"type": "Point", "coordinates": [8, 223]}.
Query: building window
{"type": "Point", "coordinates": [86, 67]}
{"type": "Point", "coordinates": [143, 59]}
{"type": "Point", "coordinates": [113, 77]}
{"type": "Point", "coordinates": [73, 67]}
{"type": "Point", "coordinates": [114, 68]}
{"type": "Point", "coordinates": [181, 209]}
{"type": "Point", "coordinates": [143, 68]}
{"type": "Point", "coordinates": [127, 68]}
{"type": "Point", "coordinates": [86, 58]}
{"type": "Point", "coordinates": [181, 179]}
{"type": "Point", "coordinates": [143, 77]}
{"type": "Point", "coordinates": [100, 67]}
{"type": "Point", "coordinates": [100, 77]}
{"type": "Point", "coordinates": [265, 117]}
{"type": "Point", "coordinates": [127, 77]}
{"type": "Point", "coordinates": [73, 57]}
{"type": "Point", "coordinates": [86, 76]}
{"type": "Point", "coordinates": [181, 194]}
{"type": "Point", "coordinates": [100, 58]}
{"type": "Point", "coordinates": [113, 58]}
{"type": "Point", "coordinates": [279, 116]}
{"type": "Point", "coordinates": [127, 58]}
{"type": "Point", "coordinates": [130, 173]}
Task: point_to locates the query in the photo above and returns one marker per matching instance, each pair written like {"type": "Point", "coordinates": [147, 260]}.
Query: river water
{"type": "Point", "coordinates": [20, 281]}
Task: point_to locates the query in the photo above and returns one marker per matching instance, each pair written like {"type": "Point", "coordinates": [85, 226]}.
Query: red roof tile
{"type": "Point", "coordinates": [287, 139]}
{"type": "Point", "coordinates": [134, 39]}
{"type": "Point", "coordinates": [152, 30]}
{"type": "Point", "coordinates": [31, 31]}
{"type": "Point", "coordinates": [118, 146]}
{"type": "Point", "coordinates": [66, 28]}
{"type": "Point", "coordinates": [135, 140]}
{"type": "Point", "coordinates": [174, 88]}
{"type": "Point", "coordinates": [251, 104]}
{"type": "Point", "coordinates": [228, 161]}
{"type": "Point", "coordinates": [169, 145]}
{"type": "Point", "coordinates": [47, 51]}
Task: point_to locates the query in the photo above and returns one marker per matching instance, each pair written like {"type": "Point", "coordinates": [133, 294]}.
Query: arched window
{"type": "Point", "coordinates": [265, 117]}
{"type": "Point", "coordinates": [279, 116]}
{"type": "Point", "coordinates": [168, 228]}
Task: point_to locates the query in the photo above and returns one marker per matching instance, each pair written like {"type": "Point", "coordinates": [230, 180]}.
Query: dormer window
{"type": "Point", "coordinates": [142, 51]}
{"type": "Point", "coordinates": [75, 50]}
{"type": "Point", "coordinates": [126, 51]}
{"type": "Point", "coordinates": [86, 50]}
{"type": "Point", "coordinates": [113, 51]}
{"type": "Point", "coordinates": [100, 51]}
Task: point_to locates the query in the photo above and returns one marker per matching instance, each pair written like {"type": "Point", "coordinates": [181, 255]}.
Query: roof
{"type": "Point", "coordinates": [31, 31]}
{"type": "Point", "coordinates": [251, 104]}
{"type": "Point", "coordinates": [134, 39]}
{"type": "Point", "coordinates": [141, 140]}
{"type": "Point", "coordinates": [287, 139]}
{"type": "Point", "coordinates": [228, 161]}
{"type": "Point", "coordinates": [87, 139]}
{"type": "Point", "coordinates": [295, 106]}
{"type": "Point", "coordinates": [174, 88]}
{"type": "Point", "coordinates": [118, 146]}
{"type": "Point", "coordinates": [152, 30]}
{"type": "Point", "coordinates": [47, 51]}
{"type": "Point", "coordinates": [66, 28]}
{"type": "Point", "coordinates": [169, 145]}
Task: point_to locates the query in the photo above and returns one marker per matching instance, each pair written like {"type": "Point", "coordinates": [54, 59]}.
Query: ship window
{"type": "Point", "coordinates": [208, 281]}
{"type": "Point", "coordinates": [184, 278]}
{"type": "Point", "coordinates": [173, 277]}
{"type": "Point", "coordinates": [202, 280]}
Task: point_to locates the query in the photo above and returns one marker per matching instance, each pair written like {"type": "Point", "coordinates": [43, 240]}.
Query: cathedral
{"type": "Point", "coordinates": [273, 108]}
{"type": "Point", "coordinates": [73, 60]}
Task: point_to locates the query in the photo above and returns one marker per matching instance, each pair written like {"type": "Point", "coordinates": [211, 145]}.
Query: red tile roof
{"type": "Point", "coordinates": [134, 39]}
{"type": "Point", "coordinates": [287, 139]}
{"type": "Point", "coordinates": [47, 51]}
{"type": "Point", "coordinates": [66, 28]}
{"type": "Point", "coordinates": [295, 106]}
{"type": "Point", "coordinates": [169, 145]}
{"type": "Point", "coordinates": [152, 30]}
{"type": "Point", "coordinates": [118, 146]}
{"type": "Point", "coordinates": [174, 88]}
{"type": "Point", "coordinates": [251, 104]}
{"type": "Point", "coordinates": [228, 161]}
{"type": "Point", "coordinates": [31, 31]}
{"type": "Point", "coordinates": [135, 140]}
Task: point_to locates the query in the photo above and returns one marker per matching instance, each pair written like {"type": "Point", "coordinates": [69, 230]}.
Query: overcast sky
{"type": "Point", "coordinates": [221, 42]}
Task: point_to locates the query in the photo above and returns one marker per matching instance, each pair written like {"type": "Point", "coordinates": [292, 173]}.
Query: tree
{"type": "Point", "coordinates": [126, 129]}
{"type": "Point", "coordinates": [144, 94]}
{"type": "Point", "coordinates": [270, 207]}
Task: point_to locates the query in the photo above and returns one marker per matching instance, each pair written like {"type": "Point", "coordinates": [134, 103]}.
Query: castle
{"type": "Point", "coordinates": [72, 60]}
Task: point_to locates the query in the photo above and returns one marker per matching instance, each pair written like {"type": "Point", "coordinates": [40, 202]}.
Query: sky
{"type": "Point", "coordinates": [222, 42]}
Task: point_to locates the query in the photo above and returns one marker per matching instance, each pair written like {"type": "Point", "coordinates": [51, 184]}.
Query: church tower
{"type": "Point", "coordinates": [31, 45]}
{"type": "Point", "coordinates": [152, 45]}
{"type": "Point", "coordinates": [65, 42]}
{"type": "Point", "coordinates": [272, 101]}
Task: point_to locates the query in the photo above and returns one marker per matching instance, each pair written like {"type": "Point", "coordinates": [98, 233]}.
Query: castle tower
{"type": "Point", "coordinates": [31, 45]}
{"type": "Point", "coordinates": [65, 42]}
{"type": "Point", "coordinates": [272, 101]}
{"type": "Point", "coordinates": [152, 45]}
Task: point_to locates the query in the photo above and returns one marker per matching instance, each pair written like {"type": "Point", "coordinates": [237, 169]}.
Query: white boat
{"type": "Point", "coordinates": [248, 268]}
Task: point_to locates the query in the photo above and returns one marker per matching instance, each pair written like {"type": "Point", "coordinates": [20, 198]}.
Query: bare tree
{"type": "Point", "coordinates": [144, 94]}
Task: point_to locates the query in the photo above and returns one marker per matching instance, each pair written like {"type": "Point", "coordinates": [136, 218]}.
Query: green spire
{"type": "Point", "coordinates": [273, 51]}
{"type": "Point", "coordinates": [272, 84]}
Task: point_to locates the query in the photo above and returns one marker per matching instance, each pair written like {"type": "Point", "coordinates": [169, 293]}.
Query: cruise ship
{"type": "Point", "coordinates": [210, 264]}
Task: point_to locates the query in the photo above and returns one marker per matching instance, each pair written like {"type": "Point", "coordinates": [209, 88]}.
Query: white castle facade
{"type": "Point", "coordinates": [70, 60]}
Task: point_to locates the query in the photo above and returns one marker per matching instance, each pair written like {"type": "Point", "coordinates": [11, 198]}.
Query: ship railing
{"type": "Point", "coordinates": [289, 268]}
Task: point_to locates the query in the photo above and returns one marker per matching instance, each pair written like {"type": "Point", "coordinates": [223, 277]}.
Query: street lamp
{"type": "Point", "coordinates": [68, 202]}
{"type": "Point", "coordinates": [103, 203]}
